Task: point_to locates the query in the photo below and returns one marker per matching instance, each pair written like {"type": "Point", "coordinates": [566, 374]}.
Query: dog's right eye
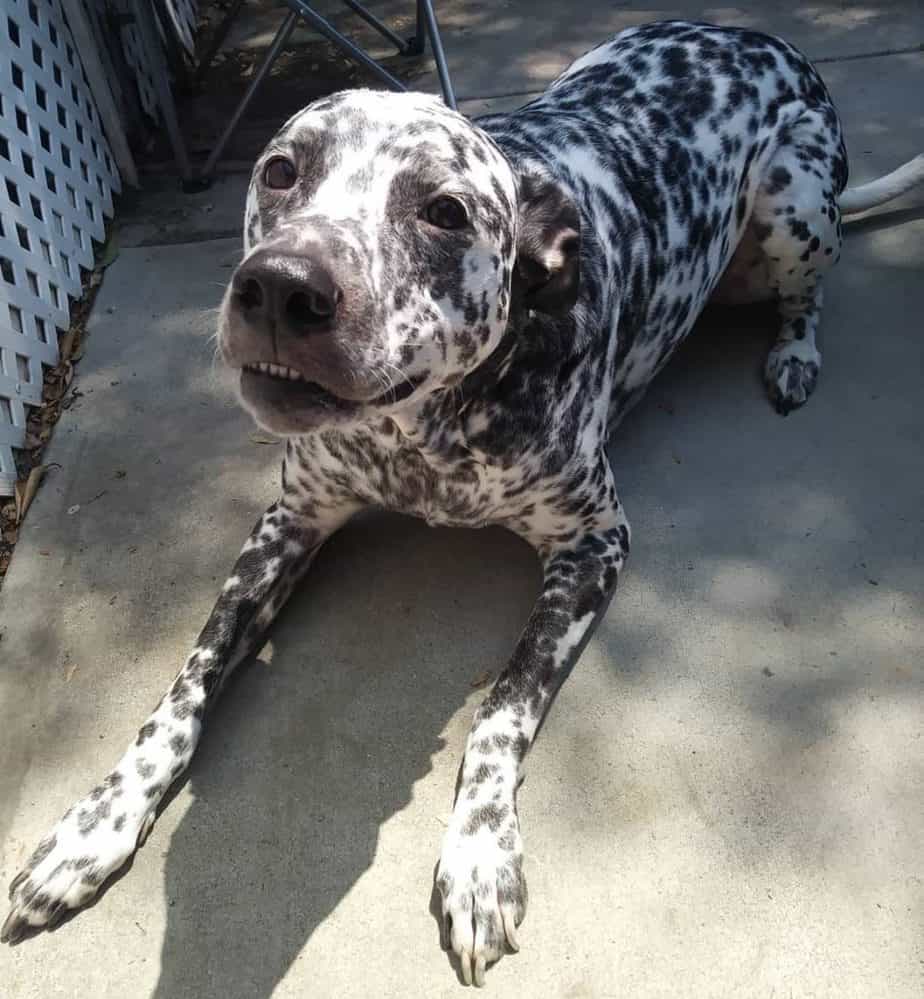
{"type": "Point", "coordinates": [280, 173]}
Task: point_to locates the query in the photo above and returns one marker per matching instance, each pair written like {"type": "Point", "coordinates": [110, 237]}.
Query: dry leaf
{"type": "Point", "coordinates": [25, 491]}
{"type": "Point", "coordinates": [258, 438]}
{"type": "Point", "coordinates": [66, 344]}
{"type": "Point", "coordinates": [109, 252]}
{"type": "Point", "coordinates": [71, 670]}
{"type": "Point", "coordinates": [482, 680]}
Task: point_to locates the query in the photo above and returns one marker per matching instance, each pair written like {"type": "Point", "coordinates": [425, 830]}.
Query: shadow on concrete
{"type": "Point", "coordinates": [321, 739]}
{"type": "Point", "coordinates": [310, 753]}
{"type": "Point", "coordinates": [313, 747]}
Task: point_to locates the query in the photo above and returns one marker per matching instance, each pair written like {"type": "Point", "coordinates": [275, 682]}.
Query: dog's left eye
{"type": "Point", "coordinates": [447, 213]}
{"type": "Point", "coordinates": [280, 173]}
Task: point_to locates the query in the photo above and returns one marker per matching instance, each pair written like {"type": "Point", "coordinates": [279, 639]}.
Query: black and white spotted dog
{"type": "Point", "coordinates": [448, 318]}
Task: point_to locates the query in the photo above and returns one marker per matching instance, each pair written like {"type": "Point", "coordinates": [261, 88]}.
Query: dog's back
{"type": "Point", "coordinates": [663, 136]}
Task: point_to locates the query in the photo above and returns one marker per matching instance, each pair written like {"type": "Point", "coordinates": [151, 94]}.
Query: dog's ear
{"type": "Point", "coordinates": [548, 263]}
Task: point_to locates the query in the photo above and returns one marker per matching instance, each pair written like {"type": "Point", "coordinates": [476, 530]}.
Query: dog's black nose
{"type": "Point", "coordinates": [294, 290]}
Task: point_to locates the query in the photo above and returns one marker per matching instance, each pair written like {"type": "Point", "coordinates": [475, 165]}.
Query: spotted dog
{"type": "Point", "coordinates": [447, 318]}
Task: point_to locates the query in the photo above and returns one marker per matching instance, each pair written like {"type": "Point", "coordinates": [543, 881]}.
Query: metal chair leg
{"type": "Point", "coordinates": [282, 36]}
{"type": "Point", "coordinates": [383, 29]}
{"type": "Point", "coordinates": [425, 10]}
{"type": "Point", "coordinates": [326, 29]}
{"type": "Point", "coordinates": [426, 26]}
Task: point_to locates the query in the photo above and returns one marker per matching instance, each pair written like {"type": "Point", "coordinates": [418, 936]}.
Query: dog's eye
{"type": "Point", "coordinates": [447, 213]}
{"type": "Point", "coordinates": [279, 173]}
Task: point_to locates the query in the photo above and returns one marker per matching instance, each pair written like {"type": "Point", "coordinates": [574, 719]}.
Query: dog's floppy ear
{"type": "Point", "coordinates": [548, 264]}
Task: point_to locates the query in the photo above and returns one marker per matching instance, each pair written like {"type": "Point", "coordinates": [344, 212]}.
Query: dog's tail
{"type": "Point", "coordinates": [878, 192]}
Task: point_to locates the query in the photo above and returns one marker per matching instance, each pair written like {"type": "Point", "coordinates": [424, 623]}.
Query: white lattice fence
{"type": "Point", "coordinates": [182, 14]}
{"type": "Point", "coordinates": [56, 184]}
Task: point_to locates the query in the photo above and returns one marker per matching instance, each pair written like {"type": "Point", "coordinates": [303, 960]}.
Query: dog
{"type": "Point", "coordinates": [448, 318]}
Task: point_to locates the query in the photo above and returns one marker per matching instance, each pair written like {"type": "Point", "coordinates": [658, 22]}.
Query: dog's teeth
{"type": "Point", "coordinates": [276, 371]}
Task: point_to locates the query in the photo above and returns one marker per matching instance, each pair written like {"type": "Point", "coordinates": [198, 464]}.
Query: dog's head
{"type": "Point", "coordinates": [387, 239]}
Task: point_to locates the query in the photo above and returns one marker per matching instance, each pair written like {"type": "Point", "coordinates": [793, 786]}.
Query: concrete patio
{"type": "Point", "coordinates": [728, 798]}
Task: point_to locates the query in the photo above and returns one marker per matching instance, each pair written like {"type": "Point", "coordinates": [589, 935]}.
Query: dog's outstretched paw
{"type": "Point", "coordinates": [483, 890]}
{"type": "Point", "coordinates": [94, 838]}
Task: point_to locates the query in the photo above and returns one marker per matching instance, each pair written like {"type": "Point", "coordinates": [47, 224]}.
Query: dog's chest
{"type": "Point", "coordinates": [443, 483]}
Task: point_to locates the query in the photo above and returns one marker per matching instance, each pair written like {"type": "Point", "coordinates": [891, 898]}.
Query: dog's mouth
{"type": "Point", "coordinates": [278, 384]}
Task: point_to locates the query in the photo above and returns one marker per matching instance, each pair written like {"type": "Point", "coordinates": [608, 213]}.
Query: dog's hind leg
{"type": "Point", "coordinates": [797, 223]}
{"type": "Point", "coordinates": [99, 833]}
{"type": "Point", "coordinates": [794, 361]}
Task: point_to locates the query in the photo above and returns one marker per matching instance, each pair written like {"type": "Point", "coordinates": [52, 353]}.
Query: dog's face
{"type": "Point", "coordinates": [386, 237]}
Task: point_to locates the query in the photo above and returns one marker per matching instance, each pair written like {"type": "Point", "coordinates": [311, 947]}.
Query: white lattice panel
{"type": "Point", "coordinates": [137, 57]}
{"type": "Point", "coordinates": [56, 184]}
{"type": "Point", "coordinates": [182, 14]}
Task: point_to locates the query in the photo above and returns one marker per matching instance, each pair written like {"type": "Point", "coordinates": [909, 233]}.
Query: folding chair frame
{"type": "Point", "coordinates": [427, 27]}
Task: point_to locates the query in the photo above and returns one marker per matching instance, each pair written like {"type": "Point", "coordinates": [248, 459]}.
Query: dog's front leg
{"type": "Point", "coordinates": [100, 832]}
{"type": "Point", "coordinates": [480, 873]}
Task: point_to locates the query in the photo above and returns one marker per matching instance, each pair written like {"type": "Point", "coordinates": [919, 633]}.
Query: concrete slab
{"type": "Point", "coordinates": [727, 798]}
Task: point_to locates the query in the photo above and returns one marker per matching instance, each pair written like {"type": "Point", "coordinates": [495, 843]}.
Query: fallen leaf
{"type": "Point", "coordinates": [66, 344]}
{"type": "Point", "coordinates": [25, 491]}
{"type": "Point", "coordinates": [482, 680]}
{"type": "Point", "coordinates": [71, 670]}
{"type": "Point", "coordinates": [109, 252]}
{"type": "Point", "coordinates": [44, 551]}
{"type": "Point", "coordinates": [257, 438]}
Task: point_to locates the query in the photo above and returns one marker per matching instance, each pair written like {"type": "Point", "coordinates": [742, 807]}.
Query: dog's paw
{"type": "Point", "coordinates": [480, 879]}
{"type": "Point", "coordinates": [94, 838]}
{"type": "Point", "coordinates": [791, 375]}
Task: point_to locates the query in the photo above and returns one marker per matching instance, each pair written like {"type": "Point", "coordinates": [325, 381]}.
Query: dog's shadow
{"type": "Point", "coordinates": [321, 739]}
